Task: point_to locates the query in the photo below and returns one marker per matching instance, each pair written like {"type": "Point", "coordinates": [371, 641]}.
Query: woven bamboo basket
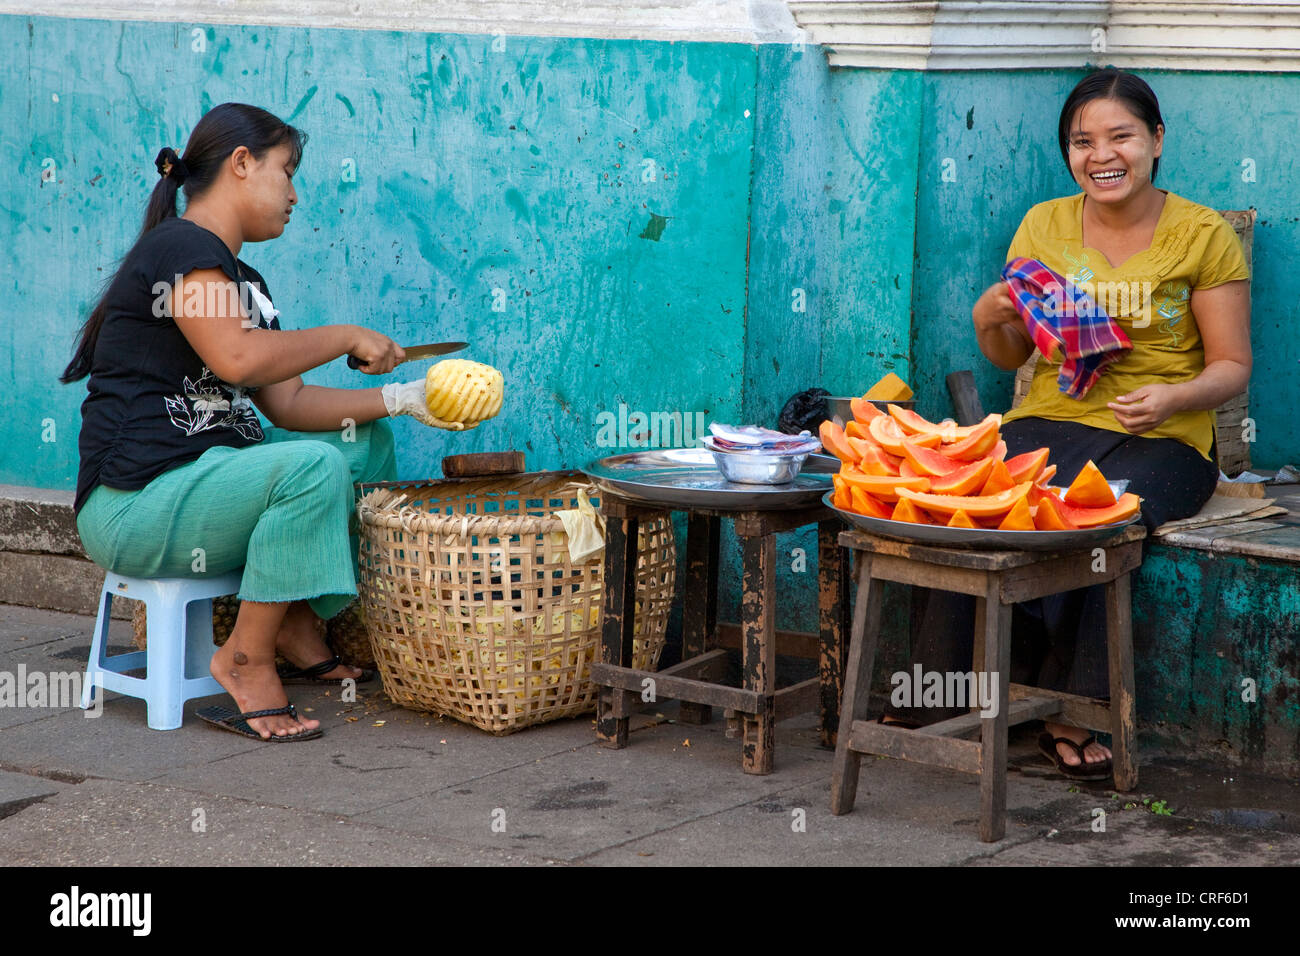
{"type": "Point", "coordinates": [475, 609]}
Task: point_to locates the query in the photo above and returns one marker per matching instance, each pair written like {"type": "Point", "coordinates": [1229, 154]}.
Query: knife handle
{"type": "Point", "coordinates": [354, 362]}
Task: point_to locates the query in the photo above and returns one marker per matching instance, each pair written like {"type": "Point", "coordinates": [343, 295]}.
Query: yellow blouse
{"type": "Point", "coordinates": [1148, 296]}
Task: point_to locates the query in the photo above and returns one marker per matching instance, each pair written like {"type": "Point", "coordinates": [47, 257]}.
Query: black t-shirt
{"type": "Point", "coordinates": [153, 404]}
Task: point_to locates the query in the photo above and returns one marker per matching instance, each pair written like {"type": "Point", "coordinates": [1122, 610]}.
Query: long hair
{"type": "Point", "coordinates": [219, 133]}
{"type": "Point", "coordinates": [1111, 84]}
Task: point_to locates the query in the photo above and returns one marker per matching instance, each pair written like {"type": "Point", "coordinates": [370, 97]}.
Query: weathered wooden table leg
{"type": "Point", "coordinates": [832, 616]}
{"type": "Point", "coordinates": [993, 730]}
{"type": "Point", "coordinates": [1119, 630]}
{"type": "Point", "coordinates": [700, 600]}
{"type": "Point", "coordinates": [758, 642]}
{"type": "Point", "coordinates": [863, 635]}
{"type": "Point", "coordinates": [620, 617]}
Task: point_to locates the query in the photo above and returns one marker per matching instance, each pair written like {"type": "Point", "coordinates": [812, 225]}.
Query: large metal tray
{"type": "Point", "coordinates": [689, 477]}
{"type": "Point", "coordinates": [984, 539]}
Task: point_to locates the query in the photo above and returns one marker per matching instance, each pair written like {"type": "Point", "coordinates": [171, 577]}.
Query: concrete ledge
{"type": "Point", "coordinates": [38, 520]}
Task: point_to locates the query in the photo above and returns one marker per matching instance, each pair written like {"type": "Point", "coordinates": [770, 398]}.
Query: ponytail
{"type": "Point", "coordinates": [219, 133]}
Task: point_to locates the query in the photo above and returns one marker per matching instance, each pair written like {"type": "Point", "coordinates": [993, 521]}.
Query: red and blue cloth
{"type": "Point", "coordinates": [1066, 324]}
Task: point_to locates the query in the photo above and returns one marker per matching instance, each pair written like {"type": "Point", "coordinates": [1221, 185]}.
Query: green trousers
{"type": "Point", "coordinates": [283, 510]}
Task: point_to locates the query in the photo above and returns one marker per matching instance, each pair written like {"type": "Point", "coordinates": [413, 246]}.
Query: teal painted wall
{"type": "Point", "coordinates": [521, 170]}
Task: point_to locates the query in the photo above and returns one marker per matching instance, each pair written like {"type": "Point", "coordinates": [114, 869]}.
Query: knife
{"type": "Point", "coordinates": [418, 352]}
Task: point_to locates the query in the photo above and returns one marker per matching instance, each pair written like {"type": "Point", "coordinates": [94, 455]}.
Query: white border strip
{"type": "Point", "coordinates": [1246, 35]}
{"type": "Point", "coordinates": [726, 21]}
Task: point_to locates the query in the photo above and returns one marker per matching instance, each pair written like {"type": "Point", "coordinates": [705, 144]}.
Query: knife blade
{"type": "Point", "coordinates": [415, 352]}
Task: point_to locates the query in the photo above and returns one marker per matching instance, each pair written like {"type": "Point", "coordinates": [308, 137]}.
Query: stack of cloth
{"type": "Point", "coordinates": [1066, 325]}
{"type": "Point", "coordinates": [764, 440]}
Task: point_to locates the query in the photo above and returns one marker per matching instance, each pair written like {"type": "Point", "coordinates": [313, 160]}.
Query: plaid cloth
{"type": "Point", "coordinates": [1066, 324]}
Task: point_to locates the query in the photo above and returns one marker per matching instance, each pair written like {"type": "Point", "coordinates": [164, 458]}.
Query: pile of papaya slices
{"type": "Point", "coordinates": [901, 467]}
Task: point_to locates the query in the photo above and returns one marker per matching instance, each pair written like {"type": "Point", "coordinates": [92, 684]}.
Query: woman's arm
{"type": "Point", "coordinates": [210, 317]}
{"type": "Point", "coordinates": [999, 330]}
{"type": "Point", "coordinates": [310, 408]}
{"type": "Point", "coordinates": [1223, 316]}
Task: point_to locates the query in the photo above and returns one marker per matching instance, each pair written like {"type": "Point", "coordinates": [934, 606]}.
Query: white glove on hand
{"type": "Point", "coordinates": [407, 398]}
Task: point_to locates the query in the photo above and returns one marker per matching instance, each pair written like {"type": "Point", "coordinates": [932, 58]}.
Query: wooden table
{"type": "Point", "coordinates": [757, 705]}
{"type": "Point", "coordinates": [997, 579]}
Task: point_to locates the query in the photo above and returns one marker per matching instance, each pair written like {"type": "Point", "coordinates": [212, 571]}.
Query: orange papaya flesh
{"type": "Point", "coordinates": [868, 504]}
{"type": "Point", "coordinates": [1089, 489]}
{"type": "Point", "coordinates": [905, 470]}
{"type": "Point", "coordinates": [977, 506]}
{"type": "Point", "coordinates": [888, 435]}
{"type": "Point", "coordinates": [999, 479]}
{"type": "Point", "coordinates": [1029, 466]}
{"type": "Point", "coordinates": [927, 461]}
{"type": "Point", "coordinates": [835, 441]}
{"type": "Point", "coordinates": [1048, 516]}
{"type": "Point", "coordinates": [964, 481]}
{"type": "Point", "coordinates": [978, 444]}
{"type": "Point", "coordinates": [855, 429]}
{"type": "Point", "coordinates": [876, 461]}
{"type": "Point", "coordinates": [961, 519]}
{"type": "Point", "coordinates": [1128, 505]}
{"type": "Point", "coordinates": [863, 410]}
{"type": "Point", "coordinates": [1018, 518]}
{"type": "Point", "coordinates": [886, 488]}
{"type": "Point", "coordinates": [907, 511]}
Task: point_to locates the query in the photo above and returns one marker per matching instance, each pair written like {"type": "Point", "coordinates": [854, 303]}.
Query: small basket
{"type": "Point", "coordinates": [475, 609]}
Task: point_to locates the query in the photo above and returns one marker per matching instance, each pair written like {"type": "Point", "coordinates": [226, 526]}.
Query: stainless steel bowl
{"type": "Point", "coordinates": [838, 410]}
{"type": "Point", "coordinates": [755, 468]}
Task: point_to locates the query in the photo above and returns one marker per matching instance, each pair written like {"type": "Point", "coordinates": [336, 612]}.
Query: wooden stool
{"type": "Point", "coordinates": [997, 579]}
{"type": "Point", "coordinates": [757, 705]}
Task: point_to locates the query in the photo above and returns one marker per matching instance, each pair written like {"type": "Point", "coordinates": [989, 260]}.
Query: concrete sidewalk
{"type": "Point", "coordinates": [388, 786]}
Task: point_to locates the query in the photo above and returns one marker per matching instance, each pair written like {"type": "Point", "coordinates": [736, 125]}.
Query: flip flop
{"type": "Point", "coordinates": [237, 723]}
{"type": "Point", "coordinates": [312, 675]}
{"type": "Point", "coordinates": [1080, 771]}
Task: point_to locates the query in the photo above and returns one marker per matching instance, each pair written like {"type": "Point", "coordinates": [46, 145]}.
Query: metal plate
{"type": "Point", "coordinates": [985, 539]}
{"type": "Point", "coordinates": [689, 477]}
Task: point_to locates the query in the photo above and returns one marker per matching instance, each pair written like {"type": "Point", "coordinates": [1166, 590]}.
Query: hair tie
{"type": "Point", "coordinates": [170, 165]}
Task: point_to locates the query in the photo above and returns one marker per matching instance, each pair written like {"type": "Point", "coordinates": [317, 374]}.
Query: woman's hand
{"type": "Point", "coordinates": [999, 330]}
{"type": "Point", "coordinates": [1143, 409]}
{"type": "Point", "coordinates": [378, 352]}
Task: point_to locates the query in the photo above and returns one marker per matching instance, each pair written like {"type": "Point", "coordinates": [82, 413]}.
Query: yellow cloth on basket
{"type": "Point", "coordinates": [584, 528]}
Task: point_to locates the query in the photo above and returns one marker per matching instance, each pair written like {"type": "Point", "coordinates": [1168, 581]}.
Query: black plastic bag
{"type": "Point", "coordinates": [804, 412]}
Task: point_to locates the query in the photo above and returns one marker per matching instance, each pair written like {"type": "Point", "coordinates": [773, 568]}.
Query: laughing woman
{"type": "Point", "coordinates": [174, 460]}
{"type": "Point", "coordinates": [1149, 418]}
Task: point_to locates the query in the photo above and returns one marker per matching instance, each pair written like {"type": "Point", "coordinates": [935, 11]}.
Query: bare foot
{"type": "Point", "coordinates": [255, 686]}
{"type": "Point", "coordinates": [301, 641]}
{"type": "Point", "coordinates": [1093, 753]}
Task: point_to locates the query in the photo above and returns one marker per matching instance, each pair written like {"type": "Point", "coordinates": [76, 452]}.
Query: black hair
{"type": "Point", "coordinates": [1111, 84]}
{"type": "Point", "coordinates": [221, 131]}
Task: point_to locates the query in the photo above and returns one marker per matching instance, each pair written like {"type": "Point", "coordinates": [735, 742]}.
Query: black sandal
{"type": "Point", "coordinates": [898, 722]}
{"type": "Point", "coordinates": [237, 723]}
{"type": "Point", "coordinates": [312, 675]}
{"type": "Point", "coordinates": [1080, 771]}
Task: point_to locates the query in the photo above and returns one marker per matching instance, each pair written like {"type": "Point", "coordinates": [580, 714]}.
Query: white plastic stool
{"type": "Point", "coordinates": [179, 647]}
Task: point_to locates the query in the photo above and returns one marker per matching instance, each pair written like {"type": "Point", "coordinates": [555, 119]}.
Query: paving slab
{"type": "Point", "coordinates": [22, 627]}
{"type": "Point", "coordinates": [111, 823]}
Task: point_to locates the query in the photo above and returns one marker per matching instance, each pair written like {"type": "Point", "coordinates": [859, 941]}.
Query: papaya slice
{"type": "Point", "coordinates": [978, 444]}
{"type": "Point", "coordinates": [1000, 450]}
{"type": "Point", "coordinates": [868, 504]}
{"type": "Point", "coordinates": [964, 481]}
{"type": "Point", "coordinates": [875, 460]}
{"type": "Point", "coordinates": [976, 506]}
{"type": "Point", "coordinates": [905, 469]}
{"type": "Point", "coordinates": [1029, 466]}
{"type": "Point", "coordinates": [885, 431]}
{"type": "Point", "coordinates": [907, 511]}
{"type": "Point", "coordinates": [1048, 517]}
{"type": "Point", "coordinates": [961, 519]}
{"type": "Point", "coordinates": [913, 424]}
{"type": "Point", "coordinates": [1128, 505]}
{"type": "Point", "coordinates": [999, 479]}
{"type": "Point", "coordinates": [927, 461]}
{"type": "Point", "coordinates": [1045, 476]}
{"type": "Point", "coordinates": [1089, 489]}
{"type": "Point", "coordinates": [1018, 518]}
{"type": "Point", "coordinates": [835, 441]}
{"type": "Point", "coordinates": [855, 429]}
{"type": "Point", "coordinates": [864, 411]}
{"type": "Point", "coordinates": [886, 488]}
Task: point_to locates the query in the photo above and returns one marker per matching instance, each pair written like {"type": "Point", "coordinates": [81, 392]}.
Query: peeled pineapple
{"type": "Point", "coordinates": [458, 390]}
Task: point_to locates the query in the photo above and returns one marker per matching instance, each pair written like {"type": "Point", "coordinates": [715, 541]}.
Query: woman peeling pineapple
{"type": "Point", "coordinates": [173, 457]}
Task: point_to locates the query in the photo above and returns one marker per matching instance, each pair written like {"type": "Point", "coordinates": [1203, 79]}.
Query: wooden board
{"type": "Point", "coordinates": [483, 463]}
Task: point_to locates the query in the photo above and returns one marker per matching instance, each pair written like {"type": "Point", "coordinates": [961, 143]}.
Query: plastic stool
{"type": "Point", "coordinates": [179, 648]}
